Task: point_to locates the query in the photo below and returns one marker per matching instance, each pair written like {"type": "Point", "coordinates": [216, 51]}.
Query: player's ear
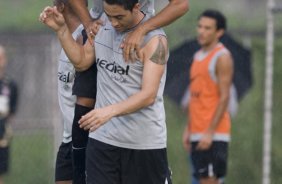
{"type": "Point", "coordinates": [220, 33]}
{"type": "Point", "coordinates": [136, 7]}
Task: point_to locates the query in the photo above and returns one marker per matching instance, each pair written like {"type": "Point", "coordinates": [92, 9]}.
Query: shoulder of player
{"type": "Point", "coordinates": [224, 60]}
{"type": "Point", "coordinates": [153, 44]}
{"type": "Point", "coordinates": [224, 54]}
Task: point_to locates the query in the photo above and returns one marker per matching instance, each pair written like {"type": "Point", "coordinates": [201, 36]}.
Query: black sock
{"type": "Point", "coordinates": [79, 141]}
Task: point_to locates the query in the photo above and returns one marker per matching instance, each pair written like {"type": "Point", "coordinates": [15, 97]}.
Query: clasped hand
{"type": "Point", "coordinates": [96, 118]}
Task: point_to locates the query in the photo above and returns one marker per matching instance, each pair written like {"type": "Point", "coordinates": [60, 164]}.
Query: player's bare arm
{"type": "Point", "coordinates": [186, 139]}
{"type": "Point", "coordinates": [91, 26]}
{"type": "Point", "coordinates": [82, 57]}
{"type": "Point", "coordinates": [80, 8]}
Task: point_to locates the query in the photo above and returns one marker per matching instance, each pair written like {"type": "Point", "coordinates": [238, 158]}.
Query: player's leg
{"type": "Point", "coordinates": [145, 167]}
{"type": "Point", "coordinates": [64, 170]}
{"type": "Point", "coordinates": [4, 162]}
{"type": "Point", "coordinates": [1, 179]}
{"type": "Point", "coordinates": [202, 165]}
{"type": "Point", "coordinates": [220, 159]}
{"type": "Point", "coordinates": [102, 163]}
{"type": "Point", "coordinates": [85, 90]}
{"type": "Point", "coordinates": [193, 178]}
{"type": "Point", "coordinates": [209, 180]}
{"type": "Point", "coordinates": [79, 139]}
{"type": "Point", "coordinates": [209, 165]}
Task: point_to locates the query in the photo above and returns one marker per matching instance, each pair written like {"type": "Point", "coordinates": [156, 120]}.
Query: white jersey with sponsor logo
{"type": "Point", "coordinates": [117, 81]}
{"type": "Point", "coordinates": [66, 74]}
{"type": "Point", "coordinates": [147, 6]}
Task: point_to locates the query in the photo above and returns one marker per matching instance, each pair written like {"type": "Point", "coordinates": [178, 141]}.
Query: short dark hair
{"type": "Point", "coordinates": [127, 4]}
{"type": "Point", "coordinates": [56, 2]}
{"type": "Point", "coordinates": [218, 16]}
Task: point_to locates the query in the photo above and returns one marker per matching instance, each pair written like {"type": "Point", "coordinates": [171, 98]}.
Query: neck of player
{"type": "Point", "coordinates": [139, 17]}
{"type": "Point", "coordinates": [211, 46]}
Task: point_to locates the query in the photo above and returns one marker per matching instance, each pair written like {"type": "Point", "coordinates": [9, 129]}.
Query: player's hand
{"type": "Point", "coordinates": [52, 18]}
{"type": "Point", "coordinates": [131, 45]}
{"type": "Point", "coordinates": [186, 140]}
{"type": "Point", "coordinates": [92, 29]}
{"type": "Point", "coordinates": [205, 142]}
{"type": "Point", "coordinates": [96, 118]}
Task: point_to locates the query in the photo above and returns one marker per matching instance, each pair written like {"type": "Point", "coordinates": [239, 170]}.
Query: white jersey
{"type": "Point", "coordinates": [66, 74]}
{"type": "Point", "coordinates": [147, 6]}
{"type": "Point", "coordinates": [117, 81]}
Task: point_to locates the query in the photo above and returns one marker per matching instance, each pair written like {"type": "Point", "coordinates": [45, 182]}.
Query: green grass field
{"type": "Point", "coordinates": [32, 159]}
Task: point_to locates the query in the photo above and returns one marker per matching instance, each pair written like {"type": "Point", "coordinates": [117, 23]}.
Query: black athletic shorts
{"type": "Point", "coordinates": [211, 162]}
{"type": "Point", "coordinates": [64, 169]}
{"type": "Point", "coordinates": [85, 83]}
{"type": "Point", "coordinates": [107, 164]}
{"type": "Point", "coordinates": [2, 127]}
{"type": "Point", "coordinates": [4, 160]}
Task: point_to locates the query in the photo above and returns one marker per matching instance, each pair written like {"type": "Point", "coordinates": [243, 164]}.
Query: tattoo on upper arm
{"type": "Point", "coordinates": [159, 56]}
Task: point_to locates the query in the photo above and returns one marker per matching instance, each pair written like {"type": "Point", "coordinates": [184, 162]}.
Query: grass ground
{"type": "Point", "coordinates": [31, 159]}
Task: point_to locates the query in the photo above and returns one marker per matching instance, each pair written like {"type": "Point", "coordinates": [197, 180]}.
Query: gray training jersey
{"type": "Point", "coordinates": [147, 6]}
{"type": "Point", "coordinates": [66, 74]}
{"type": "Point", "coordinates": [117, 81]}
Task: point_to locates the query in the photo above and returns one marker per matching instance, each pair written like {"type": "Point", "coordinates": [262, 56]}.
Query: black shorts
{"type": "Point", "coordinates": [2, 128]}
{"type": "Point", "coordinates": [4, 160]}
{"type": "Point", "coordinates": [211, 162]}
{"type": "Point", "coordinates": [85, 83]}
{"type": "Point", "coordinates": [64, 169]}
{"type": "Point", "coordinates": [107, 164]}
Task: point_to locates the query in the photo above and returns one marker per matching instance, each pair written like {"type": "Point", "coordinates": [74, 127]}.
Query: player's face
{"type": "Point", "coordinates": [120, 18]}
{"type": "Point", "coordinates": [207, 31]}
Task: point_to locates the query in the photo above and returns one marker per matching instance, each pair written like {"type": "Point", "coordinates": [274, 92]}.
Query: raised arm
{"type": "Point", "coordinates": [155, 58]}
{"type": "Point", "coordinates": [80, 8]}
{"type": "Point", "coordinates": [174, 10]}
{"type": "Point", "coordinates": [82, 57]}
{"type": "Point", "coordinates": [91, 25]}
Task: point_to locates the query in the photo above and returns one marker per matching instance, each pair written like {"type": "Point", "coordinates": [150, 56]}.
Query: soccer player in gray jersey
{"type": "Point", "coordinates": [74, 102]}
{"type": "Point", "coordinates": [133, 40]}
{"type": "Point", "coordinates": [127, 143]}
